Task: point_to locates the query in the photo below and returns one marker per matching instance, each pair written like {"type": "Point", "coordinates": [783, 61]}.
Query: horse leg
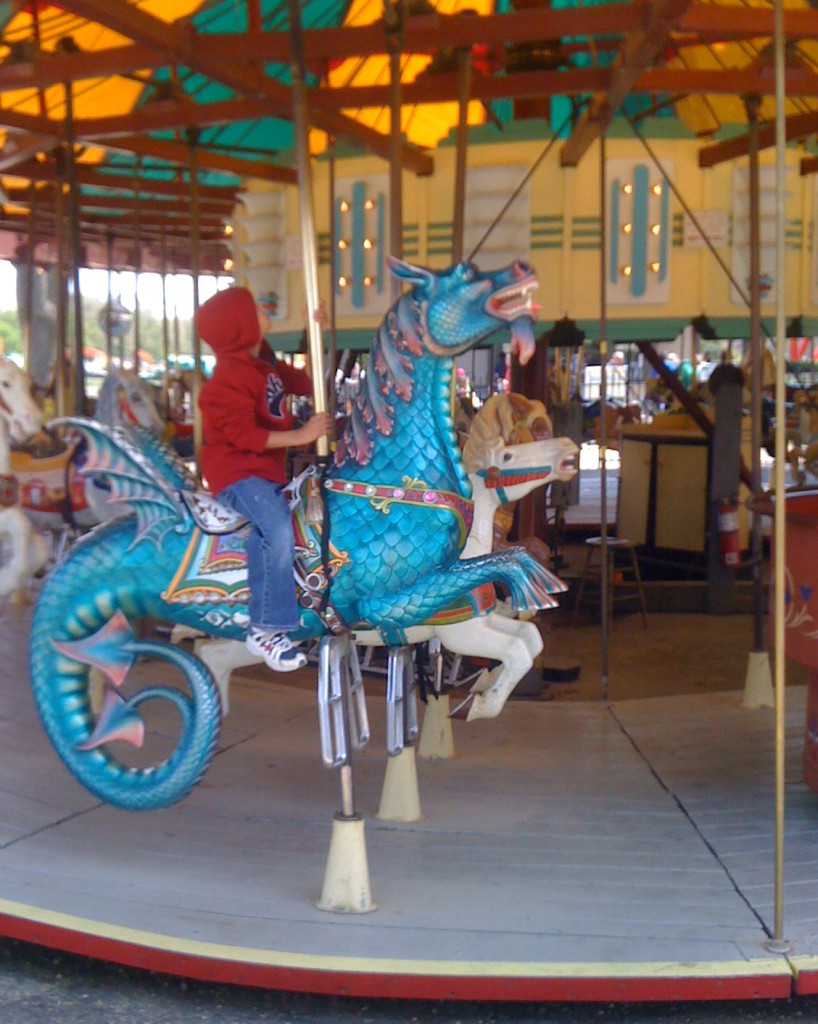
{"type": "Point", "coordinates": [525, 630]}
{"type": "Point", "coordinates": [221, 657]}
{"type": "Point", "coordinates": [481, 637]}
{"type": "Point", "coordinates": [27, 547]}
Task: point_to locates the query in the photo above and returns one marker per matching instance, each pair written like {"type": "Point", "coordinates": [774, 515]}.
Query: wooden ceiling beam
{"type": "Point", "coordinates": [21, 196]}
{"type": "Point", "coordinates": [181, 45]}
{"type": "Point", "coordinates": [90, 176]}
{"type": "Point", "coordinates": [797, 126]}
{"type": "Point", "coordinates": [638, 53]}
{"type": "Point", "coordinates": [706, 20]}
{"type": "Point", "coordinates": [180, 153]}
{"type": "Point", "coordinates": [141, 145]}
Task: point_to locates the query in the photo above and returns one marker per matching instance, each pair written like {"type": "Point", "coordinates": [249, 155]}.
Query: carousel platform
{"type": "Point", "coordinates": [571, 850]}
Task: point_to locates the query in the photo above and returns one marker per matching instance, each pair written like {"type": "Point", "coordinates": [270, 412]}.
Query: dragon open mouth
{"type": "Point", "coordinates": [515, 300]}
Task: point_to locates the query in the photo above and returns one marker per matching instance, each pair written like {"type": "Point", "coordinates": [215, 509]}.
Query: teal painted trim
{"type": "Point", "coordinates": [586, 220]}
{"type": "Point", "coordinates": [546, 245]}
{"type": "Point", "coordinates": [381, 260]}
{"type": "Point", "coordinates": [358, 235]}
{"type": "Point", "coordinates": [663, 238]}
{"type": "Point", "coordinates": [613, 233]}
{"type": "Point", "coordinates": [620, 331]}
{"type": "Point", "coordinates": [547, 218]}
{"type": "Point", "coordinates": [639, 235]}
{"type": "Point", "coordinates": [335, 256]}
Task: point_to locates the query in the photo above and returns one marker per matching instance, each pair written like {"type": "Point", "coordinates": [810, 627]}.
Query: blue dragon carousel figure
{"type": "Point", "coordinates": [384, 556]}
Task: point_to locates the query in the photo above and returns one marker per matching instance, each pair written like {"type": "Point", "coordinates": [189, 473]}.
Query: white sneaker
{"type": "Point", "coordinates": [276, 650]}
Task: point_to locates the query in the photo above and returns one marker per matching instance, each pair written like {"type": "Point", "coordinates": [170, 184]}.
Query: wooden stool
{"type": "Point", "coordinates": [623, 572]}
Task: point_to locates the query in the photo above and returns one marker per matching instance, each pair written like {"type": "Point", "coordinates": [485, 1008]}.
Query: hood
{"type": "Point", "coordinates": [228, 321]}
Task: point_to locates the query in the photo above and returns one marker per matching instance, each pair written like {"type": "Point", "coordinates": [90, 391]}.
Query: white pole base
{"type": "Point", "coordinates": [346, 881]}
{"type": "Point", "coordinates": [436, 737]}
{"type": "Point", "coordinates": [400, 798]}
{"type": "Point", "coordinates": [758, 683]}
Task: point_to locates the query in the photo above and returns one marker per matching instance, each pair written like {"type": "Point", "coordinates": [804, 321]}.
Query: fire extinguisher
{"type": "Point", "coordinates": [727, 529]}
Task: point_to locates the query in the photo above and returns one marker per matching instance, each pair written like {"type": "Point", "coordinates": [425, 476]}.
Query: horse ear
{"type": "Point", "coordinates": [408, 271]}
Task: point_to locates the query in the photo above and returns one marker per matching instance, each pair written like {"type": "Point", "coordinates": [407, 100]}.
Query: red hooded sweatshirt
{"type": "Point", "coordinates": [245, 398]}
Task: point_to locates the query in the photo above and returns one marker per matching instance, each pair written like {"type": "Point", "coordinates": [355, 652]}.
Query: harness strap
{"type": "Point", "coordinates": [383, 496]}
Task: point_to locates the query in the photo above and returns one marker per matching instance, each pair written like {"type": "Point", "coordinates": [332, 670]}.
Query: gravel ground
{"type": "Point", "coordinates": [40, 986]}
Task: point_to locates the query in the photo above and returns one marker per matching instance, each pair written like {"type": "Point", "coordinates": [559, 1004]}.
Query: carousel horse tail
{"type": "Point", "coordinates": [530, 584]}
{"type": "Point", "coordinates": [81, 622]}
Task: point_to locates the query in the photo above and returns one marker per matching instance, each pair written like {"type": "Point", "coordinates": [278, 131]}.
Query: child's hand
{"type": "Point", "coordinates": [316, 426]}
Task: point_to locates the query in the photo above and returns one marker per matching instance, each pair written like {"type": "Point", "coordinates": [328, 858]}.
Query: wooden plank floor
{"type": "Point", "coordinates": [571, 850]}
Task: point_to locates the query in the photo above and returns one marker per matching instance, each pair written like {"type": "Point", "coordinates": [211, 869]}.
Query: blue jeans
{"type": "Point", "coordinates": [270, 552]}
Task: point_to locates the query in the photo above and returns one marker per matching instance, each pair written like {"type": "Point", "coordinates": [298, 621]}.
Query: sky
{"type": "Point", "coordinates": [94, 283]}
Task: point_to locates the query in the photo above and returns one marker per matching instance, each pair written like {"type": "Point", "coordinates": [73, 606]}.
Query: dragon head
{"type": "Point", "coordinates": [463, 305]}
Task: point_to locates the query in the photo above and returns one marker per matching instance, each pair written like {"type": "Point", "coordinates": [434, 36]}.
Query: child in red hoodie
{"type": "Point", "coordinates": [247, 429]}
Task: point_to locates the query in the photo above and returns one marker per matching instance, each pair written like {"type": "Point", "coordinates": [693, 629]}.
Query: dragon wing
{"type": "Point", "coordinates": [135, 478]}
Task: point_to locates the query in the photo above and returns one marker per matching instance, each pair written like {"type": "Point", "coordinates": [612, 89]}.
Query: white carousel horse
{"type": "Point", "coordinates": [53, 494]}
{"type": "Point", "coordinates": [501, 471]}
{"type": "Point", "coordinates": [125, 399]}
{"type": "Point", "coordinates": [20, 419]}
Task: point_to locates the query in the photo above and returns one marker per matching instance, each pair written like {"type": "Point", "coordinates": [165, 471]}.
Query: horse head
{"type": "Point", "coordinates": [462, 305]}
{"type": "Point", "coordinates": [511, 449]}
{"type": "Point", "coordinates": [18, 410]}
{"type": "Point", "coordinates": [126, 400]}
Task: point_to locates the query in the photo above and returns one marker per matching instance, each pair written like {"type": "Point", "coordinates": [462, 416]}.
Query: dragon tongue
{"type": "Point", "coordinates": [522, 339]}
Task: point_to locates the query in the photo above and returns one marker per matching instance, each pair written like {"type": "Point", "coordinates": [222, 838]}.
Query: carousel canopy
{"type": "Point", "coordinates": [130, 102]}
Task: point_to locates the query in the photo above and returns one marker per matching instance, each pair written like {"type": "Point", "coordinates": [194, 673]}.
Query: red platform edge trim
{"type": "Point", "coordinates": [406, 986]}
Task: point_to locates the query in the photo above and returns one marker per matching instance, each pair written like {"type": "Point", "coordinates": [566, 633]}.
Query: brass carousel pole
{"type": "Point", "coordinates": [60, 381]}
{"type": "Point", "coordinates": [165, 325]}
{"type": "Point", "coordinates": [195, 236]}
{"type": "Point", "coordinates": [137, 264]}
{"type": "Point", "coordinates": [29, 307]}
{"type": "Point", "coordinates": [604, 581]}
{"type": "Point", "coordinates": [778, 943]}
{"type": "Point", "coordinates": [461, 150]}
{"type": "Point", "coordinates": [346, 881]}
{"type": "Point", "coordinates": [109, 313]}
{"type": "Point", "coordinates": [393, 20]}
{"type": "Point", "coordinates": [76, 248]}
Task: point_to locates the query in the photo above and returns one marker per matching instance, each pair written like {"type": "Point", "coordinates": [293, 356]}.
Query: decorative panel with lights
{"type": "Point", "coordinates": [639, 228]}
{"type": "Point", "coordinates": [360, 233]}
{"type": "Point", "coordinates": [259, 246]}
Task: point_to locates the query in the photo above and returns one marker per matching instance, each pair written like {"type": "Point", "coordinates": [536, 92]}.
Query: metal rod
{"type": "Point", "coordinates": [109, 313]}
{"type": "Point", "coordinates": [461, 152]}
{"type": "Point", "coordinates": [308, 250]}
{"type": "Point", "coordinates": [752, 104]}
{"type": "Point", "coordinates": [195, 235]}
{"type": "Point", "coordinates": [780, 462]}
{"type": "Point", "coordinates": [60, 382]}
{"type": "Point", "coordinates": [29, 270]}
{"type": "Point", "coordinates": [76, 249]}
{"type": "Point", "coordinates": [333, 311]}
{"type": "Point", "coordinates": [604, 580]}
{"type": "Point", "coordinates": [393, 15]}
{"type": "Point", "coordinates": [165, 327]}
{"type": "Point", "coordinates": [137, 319]}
